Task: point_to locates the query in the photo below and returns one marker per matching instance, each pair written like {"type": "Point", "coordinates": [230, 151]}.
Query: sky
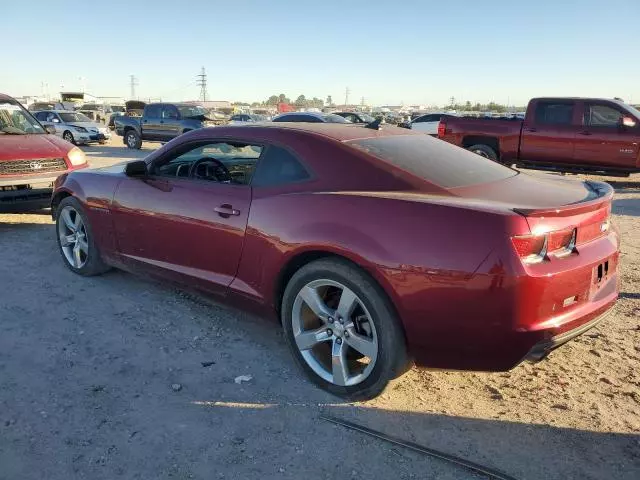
{"type": "Point", "coordinates": [389, 52]}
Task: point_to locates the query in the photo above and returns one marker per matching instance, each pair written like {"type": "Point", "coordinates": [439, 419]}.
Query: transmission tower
{"type": "Point", "coordinates": [133, 83]}
{"type": "Point", "coordinates": [202, 83]}
{"type": "Point", "coordinates": [347, 91]}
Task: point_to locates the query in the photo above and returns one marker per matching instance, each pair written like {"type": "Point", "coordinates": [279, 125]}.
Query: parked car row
{"type": "Point", "coordinates": [74, 127]}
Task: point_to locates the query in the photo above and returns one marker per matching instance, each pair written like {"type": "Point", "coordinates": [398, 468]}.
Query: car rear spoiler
{"type": "Point", "coordinates": [603, 193]}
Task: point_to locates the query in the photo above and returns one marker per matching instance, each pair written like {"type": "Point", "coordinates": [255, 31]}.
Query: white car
{"type": "Point", "coordinates": [74, 127]}
{"type": "Point", "coordinates": [428, 123]}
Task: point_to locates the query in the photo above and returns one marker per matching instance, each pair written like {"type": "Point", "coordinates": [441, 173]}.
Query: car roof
{"type": "Point", "coordinates": [56, 111]}
{"type": "Point", "coordinates": [310, 114]}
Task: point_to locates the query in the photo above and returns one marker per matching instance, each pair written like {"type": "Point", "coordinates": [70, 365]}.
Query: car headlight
{"type": "Point", "coordinates": [76, 156]}
{"type": "Point", "coordinates": [80, 129]}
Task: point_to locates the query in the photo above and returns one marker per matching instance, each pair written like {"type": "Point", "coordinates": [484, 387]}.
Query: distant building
{"type": "Point", "coordinates": [79, 97]}
{"type": "Point", "coordinates": [215, 104]}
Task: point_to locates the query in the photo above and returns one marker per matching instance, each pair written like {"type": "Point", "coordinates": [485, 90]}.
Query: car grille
{"type": "Point", "coordinates": [33, 166]}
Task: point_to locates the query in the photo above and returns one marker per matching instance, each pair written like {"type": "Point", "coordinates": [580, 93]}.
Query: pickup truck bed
{"type": "Point", "coordinates": [563, 134]}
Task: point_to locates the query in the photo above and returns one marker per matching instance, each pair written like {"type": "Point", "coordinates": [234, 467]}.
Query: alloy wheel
{"type": "Point", "coordinates": [334, 332]}
{"type": "Point", "coordinates": [73, 237]}
{"type": "Point", "coordinates": [482, 153]}
{"type": "Point", "coordinates": [131, 140]}
{"type": "Point", "coordinates": [68, 137]}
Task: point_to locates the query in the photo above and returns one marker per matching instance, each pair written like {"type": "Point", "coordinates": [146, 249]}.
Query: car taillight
{"type": "Point", "coordinates": [442, 127]}
{"type": "Point", "coordinates": [531, 248]}
{"type": "Point", "coordinates": [534, 248]}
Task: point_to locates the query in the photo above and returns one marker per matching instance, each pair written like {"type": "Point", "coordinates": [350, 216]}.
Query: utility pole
{"type": "Point", "coordinates": [347, 91]}
{"type": "Point", "coordinates": [133, 83]}
{"type": "Point", "coordinates": [362, 102]}
{"type": "Point", "coordinates": [202, 83]}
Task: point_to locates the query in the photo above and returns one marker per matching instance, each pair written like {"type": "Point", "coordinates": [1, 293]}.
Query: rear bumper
{"type": "Point", "coordinates": [493, 321]}
{"type": "Point", "coordinates": [541, 349]}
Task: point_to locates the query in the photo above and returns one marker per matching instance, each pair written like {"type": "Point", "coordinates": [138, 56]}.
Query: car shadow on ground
{"type": "Point", "coordinates": [627, 206]}
{"type": "Point", "coordinates": [625, 186]}
{"type": "Point", "coordinates": [522, 450]}
{"type": "Point", "coordinates": [630, 295]}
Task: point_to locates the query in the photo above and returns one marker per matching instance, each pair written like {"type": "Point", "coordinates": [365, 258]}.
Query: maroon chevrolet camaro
{"type": "Point", "coordinates": [375, 247]}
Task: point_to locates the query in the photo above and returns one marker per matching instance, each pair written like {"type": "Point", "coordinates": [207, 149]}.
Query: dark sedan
{"type": "Point", "coordinates": [310, 117]}
{"type": "Point", "coordinates": [375, 247]}
{"type": "Point", "coordinates": [356, 117]}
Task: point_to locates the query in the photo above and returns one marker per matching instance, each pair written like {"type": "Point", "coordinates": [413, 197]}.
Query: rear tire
{"type": "Point", "coordinates": [377, 324]}
{"type": "Point", "coordinates": [484, 151]}
{"type": "Point", "coordinates": [73, 230]}
{"type": "Point", "coordinates": [132, 139]}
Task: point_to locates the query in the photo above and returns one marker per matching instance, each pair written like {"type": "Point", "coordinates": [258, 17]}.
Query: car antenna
{"type": "Point", "coordinates": [375, 125]}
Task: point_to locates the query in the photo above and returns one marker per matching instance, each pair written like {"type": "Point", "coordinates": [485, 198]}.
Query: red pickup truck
{"type": "Point", "coordinates": [563, 134]}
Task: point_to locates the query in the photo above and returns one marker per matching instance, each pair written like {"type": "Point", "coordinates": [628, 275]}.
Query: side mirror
{"type": "Point", "coordinates": [627, 122]}
{"type": "Point", "coordinates": [50, 129]}
{"type": "Point", "coordinates": [137, 168]}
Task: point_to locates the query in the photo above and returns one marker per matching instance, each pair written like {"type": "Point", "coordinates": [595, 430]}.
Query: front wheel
{"type": "Point", "coordinates": [75, 239]}
{"type": "Point", "coordinates": [132, 139]}
{"type": "Point", "coordinates": [342, 329]}
{"type": "Point", "coordinates": [68, 136]}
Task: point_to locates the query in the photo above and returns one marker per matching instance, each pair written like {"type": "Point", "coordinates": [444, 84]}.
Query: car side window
{"type": "Point", "coordinates": [222, 162]}
{"type": "Point", "coordinates": [279, 166]}
{"type": "Point", "coordinates": [601, 116]}
{"type": "Point", "coordinates": [421, 119]}
{"type": "Point", "coordinates": [42, 116]}
{"type": "Point", "coordinates": [554, 113]}
{"type": "Point", "coordinates": [152, 111]}
{"type": "Point", "coordinates": [169, 112]}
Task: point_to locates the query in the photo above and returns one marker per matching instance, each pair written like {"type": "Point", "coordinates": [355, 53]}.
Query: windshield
{"type": "Point", "coordinates": [74, 117]}
{"type": "Point", "coordinates": [188, 111]}
{"type": "Point", "coordinates": [332, 118]}
{"type": "Point", "coordinates": [366, 117]}
{"type": "Point", "coordinates": [117, 108]}
{"type": "Point", "coordinates": [16, 120]}
{"type": "Point", "coordinates": [436, 161]}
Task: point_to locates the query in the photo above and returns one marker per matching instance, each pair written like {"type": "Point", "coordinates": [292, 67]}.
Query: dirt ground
{"type": "Point", "coordinates": [119, 377]}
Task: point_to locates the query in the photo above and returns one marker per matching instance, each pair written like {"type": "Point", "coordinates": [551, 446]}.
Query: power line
{"type": "Point", "coordinates": [133, 83]}
{"type": "Point", "coordinates": [202, 83]}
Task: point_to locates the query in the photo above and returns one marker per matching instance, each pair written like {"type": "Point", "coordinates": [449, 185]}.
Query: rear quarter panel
{"type": "Point", "coordinates": [422, 255]}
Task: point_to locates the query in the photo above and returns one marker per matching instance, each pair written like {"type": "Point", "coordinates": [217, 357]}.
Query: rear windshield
{"type": "Point", "coordinates": [434, 160]}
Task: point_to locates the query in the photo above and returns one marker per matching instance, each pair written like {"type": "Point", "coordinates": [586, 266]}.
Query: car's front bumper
{"type": "Point", "coordinates": [31, 196]}
{"type": "Point", "coordinates": [100, 137]}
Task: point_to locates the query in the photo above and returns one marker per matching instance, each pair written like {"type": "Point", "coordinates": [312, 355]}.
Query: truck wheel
{"type": "Point", "coordinates": [68, 136]}
{"type": "Point", "coordinates": [484, 151]}
{"type": "Point", "coordinates": [133, 140]}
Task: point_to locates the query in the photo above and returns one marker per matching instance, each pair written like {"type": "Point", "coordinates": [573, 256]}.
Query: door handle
{"type": "Point", "coordinates": [225, 210]}
{"type": "Point", "coordinates": [585, 133]}
{"type": "Point", "coordinates": [532, 129]}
